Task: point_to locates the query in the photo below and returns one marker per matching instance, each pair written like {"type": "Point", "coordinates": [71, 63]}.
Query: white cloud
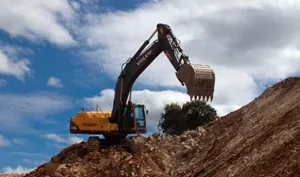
{"type": "Point", "coordinates": [63, 139]}
{"type": "Point", "coordinates": [75, 5]}
{"type": "Point", "coordinates": [12, 64]}
{"type": "Point", "coordinates": [19, 111]}
{"type": "Point", "coordinates": [20, 141]}
{"type": "Point", "coordinates": [25, 160]}
{"type": "Point", "coordinates": [4, 142]}
{"type": "Point", "coordinates": [54, 82]}
{"type": "Point", "coordinates": [18, 170]}
{"type": "Point", "coordinates": [38, 20]}
{"type": "Point", "coordinates": [84, 1]}
{"type": "Point", "coordinates": [3, 83]}
{"type": "Point", "coordinates": [30, 155]}
{"type": "Point", "coordinates": [33, 162]}
{"type": "Point", "coordinates": [237, 39]}
{"type": "Point", "coordinates": [153, 100]}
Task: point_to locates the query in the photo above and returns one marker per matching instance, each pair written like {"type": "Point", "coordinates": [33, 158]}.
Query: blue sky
{"type": "Point", "coordinates": [58, 56]}
{"type": "Point", "coordinates": [28, 149]}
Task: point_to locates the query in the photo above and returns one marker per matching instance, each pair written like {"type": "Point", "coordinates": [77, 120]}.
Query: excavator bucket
{"type": "Point", "coordinates": [199, 80]}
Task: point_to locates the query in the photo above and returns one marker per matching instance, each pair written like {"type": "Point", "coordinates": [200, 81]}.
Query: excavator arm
{"type": "Point", "coordinates": [199, 79]}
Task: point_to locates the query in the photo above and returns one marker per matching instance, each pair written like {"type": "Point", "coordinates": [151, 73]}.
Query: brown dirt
{"type": "Point", "coordinates": [11, 175]}
{"type": "Point", "coordinates": [259, 139]}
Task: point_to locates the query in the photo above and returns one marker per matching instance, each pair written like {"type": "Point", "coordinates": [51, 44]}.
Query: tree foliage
{"type": "Point", "coordinates": [176, 119]}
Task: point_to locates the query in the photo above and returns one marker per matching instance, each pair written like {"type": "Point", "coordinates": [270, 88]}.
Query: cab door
{"type": "Point", "coordinates": [140, 119]}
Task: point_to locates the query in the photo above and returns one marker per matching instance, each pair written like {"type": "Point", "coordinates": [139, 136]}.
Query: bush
{"type": "Point", "coordinates": [176, 119]}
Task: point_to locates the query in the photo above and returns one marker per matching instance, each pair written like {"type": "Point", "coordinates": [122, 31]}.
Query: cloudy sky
{"type": "Point", "coordinates": [58, 56]}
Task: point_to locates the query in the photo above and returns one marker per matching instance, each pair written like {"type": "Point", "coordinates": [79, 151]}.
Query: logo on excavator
{"type": "Point", "coordinates": [144, 58]}
{"type": "Point", "coordinates": [89, 124]}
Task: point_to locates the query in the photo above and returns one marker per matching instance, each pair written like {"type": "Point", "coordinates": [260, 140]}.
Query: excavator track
{"type": "Point", "coordinates": [131, 144]}
{"type": "Point", "coordinates": [95, 143]}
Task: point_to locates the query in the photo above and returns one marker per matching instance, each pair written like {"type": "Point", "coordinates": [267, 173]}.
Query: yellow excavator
{"type": "Point", "coordinates": [129, 118]}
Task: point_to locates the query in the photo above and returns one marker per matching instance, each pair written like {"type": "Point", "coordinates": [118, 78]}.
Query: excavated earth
{"type": "Point", "coordinates": [259, 139]}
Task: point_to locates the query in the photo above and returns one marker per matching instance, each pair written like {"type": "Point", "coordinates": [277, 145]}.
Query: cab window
{"type": "Point", "coordinates": [140, 117]}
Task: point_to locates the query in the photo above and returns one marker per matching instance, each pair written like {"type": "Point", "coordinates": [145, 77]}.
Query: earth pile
{"type": "Point", "coordinates": [11, 175]}
{"type": "Point", "coordinates": [156, 157]}
{"type": "Point", "coordinates": [259, 139]}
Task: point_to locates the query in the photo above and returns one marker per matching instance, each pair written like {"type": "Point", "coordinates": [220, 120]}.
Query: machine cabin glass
{"type": "Point", "coordinates": [140, 118]}
{"type": "Point", "coordinates": [138, 115]}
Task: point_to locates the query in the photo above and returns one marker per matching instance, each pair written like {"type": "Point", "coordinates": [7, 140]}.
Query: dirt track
{"type": "Point", "coordinates": [260, 139]}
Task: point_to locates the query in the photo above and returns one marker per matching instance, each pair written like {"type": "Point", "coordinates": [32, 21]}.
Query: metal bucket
{"type": "Point", "coordinates": [199, 81]}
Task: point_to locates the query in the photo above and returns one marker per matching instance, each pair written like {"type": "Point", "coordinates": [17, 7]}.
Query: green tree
{"type": "Point", "coordinates": [176, 119]}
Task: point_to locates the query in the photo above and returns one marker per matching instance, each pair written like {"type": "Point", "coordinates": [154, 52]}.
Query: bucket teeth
{"type": "Point", "coordinates": [204, 98]}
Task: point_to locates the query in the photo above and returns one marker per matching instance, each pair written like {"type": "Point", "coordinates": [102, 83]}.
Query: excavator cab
{"type": "Point", "coordinates": [136, 113]}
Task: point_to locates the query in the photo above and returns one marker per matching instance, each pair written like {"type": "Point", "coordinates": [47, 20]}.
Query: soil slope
{"type": "Point", "coordinates": [259, 139]}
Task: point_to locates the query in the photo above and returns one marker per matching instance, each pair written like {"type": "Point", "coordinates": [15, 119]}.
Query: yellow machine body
{"type": "Point", "coordinates": [92, 122]}
{"type": "Point", "coordinates": [97, 122]}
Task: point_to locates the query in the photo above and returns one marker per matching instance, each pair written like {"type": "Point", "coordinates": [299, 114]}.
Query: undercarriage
{"type": "Point", "coordinates": [95, 143]}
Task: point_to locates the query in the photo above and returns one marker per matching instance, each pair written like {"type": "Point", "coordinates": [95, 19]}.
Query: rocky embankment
{"type": "Point", "coordinates": [259, 139]}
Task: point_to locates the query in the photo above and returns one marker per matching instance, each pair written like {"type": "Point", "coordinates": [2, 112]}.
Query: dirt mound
{"type": "Point", "coordinates": [11, 175]}
{"type": "Point", "coordinates": [259, 139]}
{"type": "Point", "coordinates": [156, 158]}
